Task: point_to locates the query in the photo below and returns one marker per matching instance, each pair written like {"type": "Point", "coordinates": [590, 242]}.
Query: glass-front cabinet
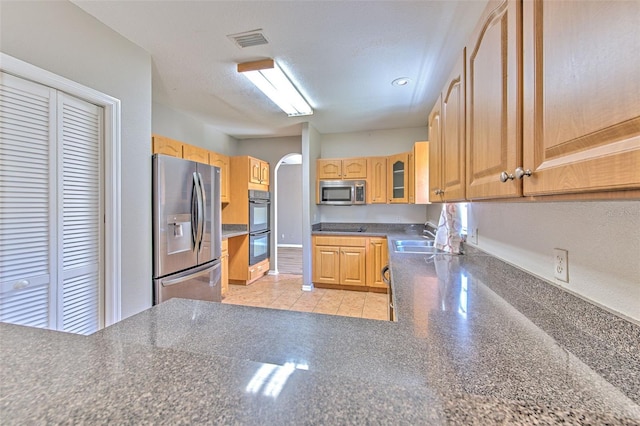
{"type": "Point", "coordinates": [398, 178]}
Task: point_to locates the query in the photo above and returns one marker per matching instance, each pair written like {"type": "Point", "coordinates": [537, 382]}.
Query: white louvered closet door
{"type": "Point", "coordinates": [50, 208]}
{"type": "Point", "coordinates": [27, 202]}
{"type": "Point", "coordinates": [80, 213]}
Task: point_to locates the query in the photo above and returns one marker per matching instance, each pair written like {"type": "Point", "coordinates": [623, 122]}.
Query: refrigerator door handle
{"type": "Point", "coordinates": [194, 211]}
{"type": "Point", "coordinates": [203, 210]}
{"type": "Point", "coordinates": [199, 216]}
{"type": "Point", "coordinates": [189, 274]}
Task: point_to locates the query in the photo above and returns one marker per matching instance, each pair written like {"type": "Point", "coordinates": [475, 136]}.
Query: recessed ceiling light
{"type": "Point", "coordinates": [402, 81]}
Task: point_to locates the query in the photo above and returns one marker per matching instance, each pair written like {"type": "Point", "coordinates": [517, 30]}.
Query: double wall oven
{"type": "Point", "coordinates": [259, 226]}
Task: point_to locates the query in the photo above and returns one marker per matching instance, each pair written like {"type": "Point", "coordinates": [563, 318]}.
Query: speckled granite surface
{"type": "Point", "coordinates": [476, 342]}
{"type": "Point", "coordinates": [229, 231]}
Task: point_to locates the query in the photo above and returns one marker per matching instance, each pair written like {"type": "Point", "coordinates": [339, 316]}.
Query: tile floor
{"type": "Point", "coordinates": [284, 291]}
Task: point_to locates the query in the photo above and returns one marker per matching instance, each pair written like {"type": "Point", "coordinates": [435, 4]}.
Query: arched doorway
{"type": "Point", "coordinates": [287, 223]}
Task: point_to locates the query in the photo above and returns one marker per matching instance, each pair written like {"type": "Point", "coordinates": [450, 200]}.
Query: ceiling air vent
{"type": "Point", "coordinates": [249, 38]}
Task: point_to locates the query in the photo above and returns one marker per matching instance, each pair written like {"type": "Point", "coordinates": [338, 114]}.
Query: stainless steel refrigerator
{"type": "Point", "coordinates": [187, 230]}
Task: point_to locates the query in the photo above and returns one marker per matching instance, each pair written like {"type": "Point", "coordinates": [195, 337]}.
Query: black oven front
{"type": "Point", "coordinates": [259, 247]}
{"type": "Point", "coordinates": [259, 211]}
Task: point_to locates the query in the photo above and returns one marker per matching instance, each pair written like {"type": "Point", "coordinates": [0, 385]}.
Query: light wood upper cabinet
{"type": "Point", "coordinates": [581, 96]}
{"type": "Point", "coordinates": [493, 125]}
{"type": "Point", "coordinates": [329, 168]}
{"type": "Point", "coordinates": [347, 168]}
{"type": "Point", "coordinates": [419, 170]}
{"type": "Point", "coordinates": [166, 146]}
{"type": "Point", "coordinates": [377, 258]}
{"type": "Point", "coordinates": [255, 170]}
{"type": "Point", "coordinates": [258, 172]}
{"type": "Point", "coordinates": [222, 161]}
{"type": "Point", "coordinates": [264, 173]}
{"type": "Point", "coordinates": [398, 178]}
{"type": "Point", "coordinates": [447, 144]}
{"type": "Point", "coordinates": [194, 153]}
{"type": "Point", "coordinates": [453, 136]}
{"type": "Point", "coordinates": [245, 173]}
{"type": "Point", "coordinates": [411, 178]}
{"type": "Point", "coordinates": [377, 180]}
{"type": "Point", "coordinates": [435, 152]}
{"type": "Point", "coordinates": [354, 168]}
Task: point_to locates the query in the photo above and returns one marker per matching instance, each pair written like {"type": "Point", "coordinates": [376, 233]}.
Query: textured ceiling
{"type": "Point", "coordinates": [343, 56]}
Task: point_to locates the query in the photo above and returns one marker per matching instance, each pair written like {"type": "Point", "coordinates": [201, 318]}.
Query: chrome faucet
{"type": "Point", "coordinates": [429, 230]}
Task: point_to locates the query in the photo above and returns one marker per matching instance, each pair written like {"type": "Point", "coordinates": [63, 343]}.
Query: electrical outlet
{"type": "Point", "coordinates": [561, 264]}
{"type": "Point", "coordinates": [474, 236]}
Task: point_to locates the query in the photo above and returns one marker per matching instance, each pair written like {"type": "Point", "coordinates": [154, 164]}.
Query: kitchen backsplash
{"type": "Point", "coordinates": [374, 213]}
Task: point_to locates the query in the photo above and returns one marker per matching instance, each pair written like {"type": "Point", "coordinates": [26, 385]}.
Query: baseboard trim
{"type": "Point", "coordinates": [290, 245]}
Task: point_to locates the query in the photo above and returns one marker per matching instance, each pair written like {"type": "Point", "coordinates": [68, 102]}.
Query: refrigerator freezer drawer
{"type": "Point", "coordinates": [201, 283]}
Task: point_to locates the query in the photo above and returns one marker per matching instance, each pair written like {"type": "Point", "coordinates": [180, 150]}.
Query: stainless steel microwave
{"type": "Point", "coordinates": [342, 192]}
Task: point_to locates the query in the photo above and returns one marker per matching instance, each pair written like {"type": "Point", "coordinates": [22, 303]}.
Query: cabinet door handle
{"type": "Point", "coordinates": [521, 173]}
{"type": "Point", "coordinates": [383, 273]}
{"type": "Point", "coordinates": [504, 176]}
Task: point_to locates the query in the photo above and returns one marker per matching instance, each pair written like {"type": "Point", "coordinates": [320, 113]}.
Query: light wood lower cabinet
{"type": "Point", "coordinates": [240, 272]}
{"type": "Point", "coordinates": [339, 260]}
{"type": "Point", "coordinates": [349, 262]}
{"type": "Point", "coordinates": [225, 268]}
{"type": "Point", "coordinates": [377, 258]}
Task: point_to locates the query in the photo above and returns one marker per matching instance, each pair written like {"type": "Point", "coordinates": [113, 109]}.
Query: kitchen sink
{"type": "Point", "coordinates": [415, 246]}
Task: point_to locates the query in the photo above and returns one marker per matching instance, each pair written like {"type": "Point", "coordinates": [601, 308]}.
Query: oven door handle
{"type": "Point", "coordinates": [253, 234]}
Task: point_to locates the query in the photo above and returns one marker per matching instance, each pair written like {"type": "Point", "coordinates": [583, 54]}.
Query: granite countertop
{"type": "Point", "coordinates": [476, 341]}
{"type": "Point", "coordinates": [230, 231]}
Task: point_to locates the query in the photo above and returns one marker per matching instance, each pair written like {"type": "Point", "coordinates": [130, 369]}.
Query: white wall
{"type": "Point", "coordinates": [311, 145]}
{"type": "Point", "coordinates": [370, 144]}
{"type": "Point", "coordinates": [374, 213]}
{"type": "Point", "coordinates": [176, 124]}
{"type": "Point", "coordinates": [61, 38]}
{"type": "Point", "coordinates": [289, 196]}
{"type": "Point", "coordinates": [603, 240]}
{"type": "Point", "coordinates": [269, 149]}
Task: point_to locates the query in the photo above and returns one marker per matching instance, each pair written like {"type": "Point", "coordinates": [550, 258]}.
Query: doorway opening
{"type": "Point", "coordinates": [287, 230]}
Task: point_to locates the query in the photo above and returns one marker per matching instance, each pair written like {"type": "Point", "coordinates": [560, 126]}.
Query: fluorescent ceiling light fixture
{"type": "Point", "coordinates": [270, 79]}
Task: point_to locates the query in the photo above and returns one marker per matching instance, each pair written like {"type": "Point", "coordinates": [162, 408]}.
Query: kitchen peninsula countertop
{"type": "Point", "coordinates": [477, 341]}
{"type": "Point", "coordinates": [230, 231]}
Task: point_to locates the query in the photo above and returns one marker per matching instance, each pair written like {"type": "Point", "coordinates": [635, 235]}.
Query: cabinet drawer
{"type": "Point", "coordinates": [340, 241]}
{"type": "Point", "coordinates": [258, 270]}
